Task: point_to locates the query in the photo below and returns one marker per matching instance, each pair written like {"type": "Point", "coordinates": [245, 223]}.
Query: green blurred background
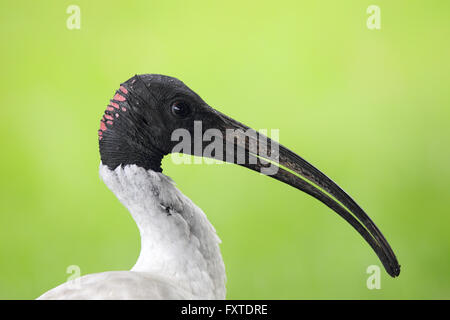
{"type": "Point", "coordinates": [370, 108]}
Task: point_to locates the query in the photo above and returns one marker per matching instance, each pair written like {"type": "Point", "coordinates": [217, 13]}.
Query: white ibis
{"type": "Point", "coordinates": [180, 256]}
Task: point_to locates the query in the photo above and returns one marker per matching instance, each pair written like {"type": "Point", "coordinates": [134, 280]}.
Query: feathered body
{"type": "Point", "coordinates": [180, 256]}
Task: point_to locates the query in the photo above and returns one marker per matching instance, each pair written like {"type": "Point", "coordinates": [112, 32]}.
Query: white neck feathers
{"type": "Point", "coordinates": [177, 240]}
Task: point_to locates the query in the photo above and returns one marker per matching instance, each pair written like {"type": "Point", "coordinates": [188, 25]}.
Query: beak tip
{"type": "Point", "coordinates": [394, 270]}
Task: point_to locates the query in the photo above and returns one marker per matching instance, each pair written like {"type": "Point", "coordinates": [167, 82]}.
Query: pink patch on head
{"type": "Point", "coordinates": [117, 115]}
{"type": "Point", "coordinates": [102, 126]}
{"type": "Point", "coordinates": [123, 89]}
{"type": "Point", "coordinates": [100, 132]}
{"type": "Point", "coordinates": [110, 108]}
{"type": "Point", "coordinates": [118, 97]}
{"type": "Point", "coordinates": [107, 116]}
{"type": "Point", "coordinates": [115, 105]}
{"type": "Point", "coordinates": [109, 122]}
{"type": "Point", "coordinates": [124, 109]}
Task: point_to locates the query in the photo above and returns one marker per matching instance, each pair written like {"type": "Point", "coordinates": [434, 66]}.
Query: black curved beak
{"type": "Point", "coordinates": [298, 173]}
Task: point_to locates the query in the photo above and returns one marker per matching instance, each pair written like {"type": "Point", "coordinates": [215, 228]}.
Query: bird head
{"type": "Point", "coordinates": [152, 115]}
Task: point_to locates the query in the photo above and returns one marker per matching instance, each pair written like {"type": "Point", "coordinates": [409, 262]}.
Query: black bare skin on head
{"type": "Point", "coordinates": [138, 124]}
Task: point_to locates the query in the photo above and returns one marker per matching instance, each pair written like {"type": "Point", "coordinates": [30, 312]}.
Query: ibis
{"type": "Point", "coordinates": [180, 256]}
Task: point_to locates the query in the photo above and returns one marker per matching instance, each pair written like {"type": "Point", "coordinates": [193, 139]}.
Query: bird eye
{"type": "Point", "coordinates": [180, 109]}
